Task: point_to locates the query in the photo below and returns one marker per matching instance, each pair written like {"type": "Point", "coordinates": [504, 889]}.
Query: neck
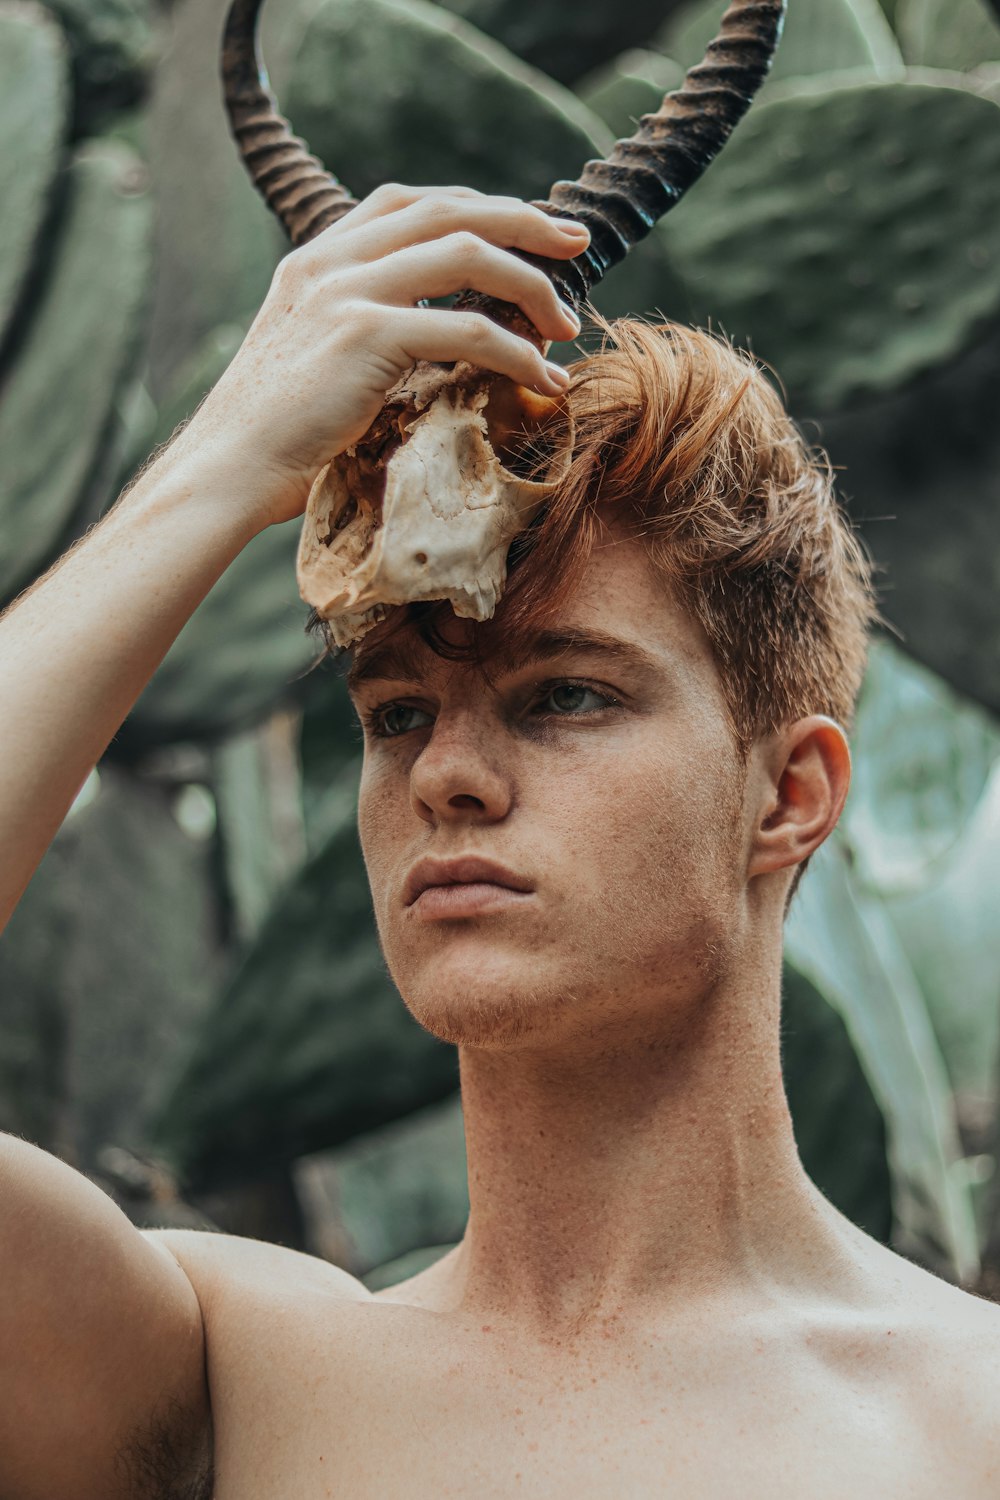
{"type": "Point", "coordinates": [606, 1180]}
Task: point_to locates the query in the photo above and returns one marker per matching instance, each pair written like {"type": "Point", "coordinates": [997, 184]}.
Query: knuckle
{"type": "Point", "coordinates": [440, 208]}
{"type": "Point", "coordinates": [477, 328]}
{"type": "Point", "coordinates": [466, 245]}
{"type": "Point", "coordinates": [390, 195]}
{"type": "Point", "coordinates": [360, 315]}
{"type": "Point", "coordinates": [292, 269]}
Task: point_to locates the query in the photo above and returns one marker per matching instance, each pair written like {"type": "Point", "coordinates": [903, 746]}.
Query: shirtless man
{"type": "Point", "coordinates": [651, 1299]}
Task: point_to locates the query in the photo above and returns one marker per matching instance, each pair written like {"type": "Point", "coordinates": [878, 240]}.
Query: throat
{"type": "Point", "coordinates": [607, 1191]}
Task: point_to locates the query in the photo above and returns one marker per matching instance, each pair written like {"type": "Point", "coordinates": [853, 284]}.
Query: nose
{"type": "Point", "coordinates": [458, 775]}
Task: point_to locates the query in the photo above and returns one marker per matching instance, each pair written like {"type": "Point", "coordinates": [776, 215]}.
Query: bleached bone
{"type": "Point", "coordinates": [425, 507]}
{"type": "Point", "coordinates": [429, 479]}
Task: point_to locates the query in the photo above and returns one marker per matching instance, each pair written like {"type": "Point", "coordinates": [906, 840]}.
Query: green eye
{"type": "Point", "coordinates": [572, 698]}
{"type": "Point", "coordinates": [399, 718]}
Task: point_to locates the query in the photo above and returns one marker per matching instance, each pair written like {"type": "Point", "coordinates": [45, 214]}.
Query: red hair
{"type": "Point", "coordinates": [684, 438]}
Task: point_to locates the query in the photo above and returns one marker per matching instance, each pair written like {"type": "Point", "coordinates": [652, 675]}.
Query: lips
{"type": "Point", "coordinates": [468, 870]}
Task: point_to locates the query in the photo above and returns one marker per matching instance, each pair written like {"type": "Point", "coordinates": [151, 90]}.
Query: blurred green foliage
{"type": "Point", "coordinates": [194, 971]}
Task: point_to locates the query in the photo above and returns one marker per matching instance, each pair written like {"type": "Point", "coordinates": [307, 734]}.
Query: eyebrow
{"type": "Point", "coordinates": [405, 659]}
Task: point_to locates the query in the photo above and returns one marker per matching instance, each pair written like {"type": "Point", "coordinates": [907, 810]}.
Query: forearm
{"type": "Point", "coordinates": [77, 650]}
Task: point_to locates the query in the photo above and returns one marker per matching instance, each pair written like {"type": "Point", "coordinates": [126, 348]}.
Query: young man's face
{"type": "Point", "coordinates": [600, 776]}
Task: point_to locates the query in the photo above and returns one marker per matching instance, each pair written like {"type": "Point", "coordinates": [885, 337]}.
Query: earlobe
{"type": "Point", "coordinates": [806, 776]}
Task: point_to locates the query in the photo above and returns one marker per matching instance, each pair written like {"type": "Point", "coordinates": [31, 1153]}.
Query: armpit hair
{"type": "Point", "coordinates": [169, 1458]}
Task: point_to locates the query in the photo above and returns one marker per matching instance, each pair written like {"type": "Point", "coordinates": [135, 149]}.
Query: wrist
{"type": "Point", "coordinates": [221, 472]}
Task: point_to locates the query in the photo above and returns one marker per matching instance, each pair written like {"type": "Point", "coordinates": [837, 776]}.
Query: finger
{"type": "Point", "coordinates": [461, 261]}
{"type": "Point", "coordinates": [392, 197]}
{"type": "Point", "coordinates": [505, 222]}
{"type": "Point", "coordinates": [443, 336]}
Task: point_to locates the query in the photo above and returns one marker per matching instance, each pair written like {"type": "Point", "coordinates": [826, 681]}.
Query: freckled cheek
{"type": "Point", "coordinates": [383, 804]}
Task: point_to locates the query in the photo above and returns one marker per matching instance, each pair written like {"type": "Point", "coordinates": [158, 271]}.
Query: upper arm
{"type": "Point", "coordinates": [101, 1337]}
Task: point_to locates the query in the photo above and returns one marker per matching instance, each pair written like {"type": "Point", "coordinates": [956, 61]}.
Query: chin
{"type": "Point", "coordinates": [482, 1001]}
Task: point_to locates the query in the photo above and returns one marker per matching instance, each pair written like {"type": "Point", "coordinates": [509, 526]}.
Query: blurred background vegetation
{"type": "Point", "coordinates": [193, 1008]}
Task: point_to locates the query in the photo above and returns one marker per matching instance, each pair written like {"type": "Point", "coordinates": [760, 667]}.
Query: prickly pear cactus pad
{"type": "Point", "coordinates": [309, 1044]}
{"type": "Point", "coordinates": [537, 30]}
{"type": "Point", "coordinates": [948, 33]}
{"type": "Point", "coordinates": [60, 395]}
{"type": "Point", "coordinates": [34, 96]}
{"type": "Point", "coordinates": [400, 90]}
{"type": "Point", "coordinates": [630, 87]}
{"type": "Point", "coordinates": [820, 36]}
{"type": "Point", "coordinates": [113, 48]}
{"type": "Point", "coordinates": [850, 235]}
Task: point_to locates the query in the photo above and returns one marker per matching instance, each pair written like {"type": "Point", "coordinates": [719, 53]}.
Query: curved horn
{"type": "Point", "coordinates": [304, 195]}
{"type": "Point", "coordinates": [621, 198]}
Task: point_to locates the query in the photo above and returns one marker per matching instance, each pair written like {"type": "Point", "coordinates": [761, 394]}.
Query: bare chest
{"type": "Point", "coordinates": [397, 1408]}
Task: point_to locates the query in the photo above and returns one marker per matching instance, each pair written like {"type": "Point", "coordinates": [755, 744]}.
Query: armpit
{"type": "Point", "coordinates": [169, 1458]}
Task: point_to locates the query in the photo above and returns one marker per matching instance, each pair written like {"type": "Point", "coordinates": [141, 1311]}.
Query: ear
{"type": "Point", "coordinates": [805, 773]}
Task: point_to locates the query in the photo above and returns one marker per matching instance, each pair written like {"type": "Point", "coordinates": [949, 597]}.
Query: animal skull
{"type": "Point", "coordinates": [427, 504]}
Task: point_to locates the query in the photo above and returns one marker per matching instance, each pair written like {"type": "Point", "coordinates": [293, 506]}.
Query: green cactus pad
{"type": "Point", "coordinates": [113, 49]}
{"type": "Point", "coordinates": [630, 87]}
{"type": "Point", "coordinates": [958, 34]}
{"type": "Point", "coordinates": [922, 469]}
{"type": "Point", "coordinates": [399, 90]}
{"type": "Point", "coordinates": [821, 36]}
{"type": "Point", "coordinates": [238, 657]}
{"type": "Point", "coordinates": [310, 1044]}
{"type": "Point", "coordinates": [217, 243]}
{"type": "Point", "coordinates": [244, 649]}
{"type": "Point", "coordinates": [34, 98]}
{"type": "Point", "coordinates": [851, 235]}
{"type": "Point", "coordinates": [565, 48]}
{"type": "Point", "coordinates": [61, 391]}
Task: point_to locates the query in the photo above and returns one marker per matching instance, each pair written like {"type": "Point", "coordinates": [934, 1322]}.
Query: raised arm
{"type": "Point", "coordinates": [339, 326]}
{"type": "Point", "coordinates": [102, 1369]}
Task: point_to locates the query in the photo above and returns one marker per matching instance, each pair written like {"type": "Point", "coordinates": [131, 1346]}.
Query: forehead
{"type": "Point", "coordinates": [619, 607]}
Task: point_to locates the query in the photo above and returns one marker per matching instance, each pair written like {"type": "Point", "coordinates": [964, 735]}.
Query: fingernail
{"type": "Point", "coordinates": [557, 375]}
{"type": "Point", "coordinates": [568, 226]}
{"type": "Point", "coordinates": [570, 315]}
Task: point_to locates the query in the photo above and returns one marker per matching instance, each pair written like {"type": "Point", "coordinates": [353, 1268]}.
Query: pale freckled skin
{"type": "Point", "coordinates": [651, 1297]}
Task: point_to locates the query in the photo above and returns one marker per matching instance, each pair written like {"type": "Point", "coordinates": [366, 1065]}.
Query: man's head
{"type": "Point", "coordinates": [645, 737]}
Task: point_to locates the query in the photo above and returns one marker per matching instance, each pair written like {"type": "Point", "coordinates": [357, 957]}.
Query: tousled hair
{"type": "Point", "coordinates": [687, 438]}
{"type": "Point", "coordinates": [684, 439]}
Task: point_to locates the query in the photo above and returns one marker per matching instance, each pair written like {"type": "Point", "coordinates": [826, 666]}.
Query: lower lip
{"type": "Point", "coordinates": [438, 902]}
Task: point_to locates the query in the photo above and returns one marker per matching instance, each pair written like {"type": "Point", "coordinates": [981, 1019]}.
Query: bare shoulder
{"type": "Point", "coordinates": [227, 1270]}
{"type": "Point", "coordinates": [951, 1366]}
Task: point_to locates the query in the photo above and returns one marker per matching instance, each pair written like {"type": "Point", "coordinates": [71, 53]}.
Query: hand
{"type": "Point", "coordinates": [340, 325]}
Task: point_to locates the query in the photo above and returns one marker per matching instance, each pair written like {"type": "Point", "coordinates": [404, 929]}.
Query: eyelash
{"type": "Point", "coordinates": [372, 718]}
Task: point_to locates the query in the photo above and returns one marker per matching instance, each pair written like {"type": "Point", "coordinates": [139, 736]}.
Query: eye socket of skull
{"type": "Point", "coordinates": [526, 430]}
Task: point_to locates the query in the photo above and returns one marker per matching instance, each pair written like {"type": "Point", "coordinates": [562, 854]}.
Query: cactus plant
{"type": "Point", "coordinates": [105, 970]}
{"type": "Point", "coordinates": [850, 256]}
{"type": "Point", "coordinates": [310, 1044]}
{"type": "Point", "coordinates": [400, 90]}
{"type": "Point", "coordinates": [922, 759]}
{"type": "Point", "coordinates": [76, 351]}
{"type": "Point", "coordinates": [632, 86]}
{"type": "Point", "coordinates": [821, 36]}
{"type": "Point", "coordinates": [113, 47]}
{"type": "Point", "coordinates": [956, 34]}
{"type": "Point", "coordinates": [537, 30]}
{"type": "Point", "coordinates": [843, 941]}
{"type": "Point", "coordinates": [829, 1096]}
{"type": "Point", "coordinates": [215, 244]}
{"type": "Point", "coordinates": [921, 468]}
{"type": "Point", "coordinates": [242, 653]}
{"type": "Point", "coordinates": [34, 99]}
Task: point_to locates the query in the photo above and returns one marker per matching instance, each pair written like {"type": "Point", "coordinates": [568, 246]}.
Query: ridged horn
{"type": "Point", "coordinates": [621, 198]}
{"type": "Point", "coordinates": [297, 187]}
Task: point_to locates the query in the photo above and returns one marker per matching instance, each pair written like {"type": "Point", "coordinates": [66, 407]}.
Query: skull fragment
{"type": "Point", "coordinates": [427, 504]}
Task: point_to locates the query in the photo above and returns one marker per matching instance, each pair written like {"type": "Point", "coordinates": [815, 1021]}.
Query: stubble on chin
{"type": "Point", "coordinates": [494, 1023]}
